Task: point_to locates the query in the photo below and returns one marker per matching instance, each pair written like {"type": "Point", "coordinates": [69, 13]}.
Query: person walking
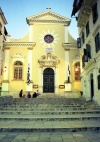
{"type": "Point", "coordinates": [21, 93]}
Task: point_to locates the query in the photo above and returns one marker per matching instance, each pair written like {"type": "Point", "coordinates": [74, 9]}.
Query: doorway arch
{"type": "Point", "coordinates": [92, 86]}
{"type": "Point", "coordinates": [48, 80]}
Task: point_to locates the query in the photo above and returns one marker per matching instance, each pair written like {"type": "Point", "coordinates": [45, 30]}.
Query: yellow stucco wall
{"type": "Point", "coordinates": [36, 34]}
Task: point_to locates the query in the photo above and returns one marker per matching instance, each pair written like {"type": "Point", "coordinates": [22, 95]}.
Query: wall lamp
{"type": "Point", "coordinates": [5, 68]}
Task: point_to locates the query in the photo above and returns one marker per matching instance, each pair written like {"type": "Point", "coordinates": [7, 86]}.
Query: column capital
{"type": "Point", "coordinates": [30, 48]}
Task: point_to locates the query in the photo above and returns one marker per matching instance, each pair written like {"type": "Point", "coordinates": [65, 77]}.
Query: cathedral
{"type": "Point", "coordinates": [45, 59]}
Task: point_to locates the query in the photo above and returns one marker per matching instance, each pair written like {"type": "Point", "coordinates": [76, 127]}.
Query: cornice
{"type": "Point", "coordinates": [30, 48]}
{"type": "Point", "coordinates": [7, 48]}
{"type": "Point", "coordinates": [18, 44]}
{"type": "Point", "coordinates": [69, 46]}
{"type": "Point", "coordinates": [49, 13]}
{"type": "Point", "coordinates": [32, 21]}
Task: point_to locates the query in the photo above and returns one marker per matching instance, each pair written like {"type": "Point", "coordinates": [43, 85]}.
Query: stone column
{"type": "Point", "coordinates": [29, 86]}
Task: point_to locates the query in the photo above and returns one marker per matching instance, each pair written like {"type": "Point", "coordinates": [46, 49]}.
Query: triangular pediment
{"type": "Point", "coordinates": [18, 55]}
{"type": "Point", "coordinates": [46, 17]}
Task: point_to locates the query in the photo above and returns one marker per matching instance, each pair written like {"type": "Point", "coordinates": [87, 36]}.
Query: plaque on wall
{"type": "Point", "coordinates": [61, 86]}
{"type": "Point", "coordinates": [35, 86]}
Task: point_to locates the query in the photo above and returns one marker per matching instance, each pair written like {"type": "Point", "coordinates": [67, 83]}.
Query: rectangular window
{"type": "Point", "coordinates": [87, 29]}
{"type": "Point", "coordinates": [94, 12]}
{"type": "Point", "coordinates": [97, 42]}
{"type": "Point", "coordinates": [88, 49]}
{"type": "Point", "coordinates": [18, 73]}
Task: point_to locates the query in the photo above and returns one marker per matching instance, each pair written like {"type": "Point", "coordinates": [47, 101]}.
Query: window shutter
{"type": "Point", "coordinates": [87, 29]}
{"type": "Point", "coordinates": [94, 12]}
{"type": "Point", "coordinates": [88, 48]}
{"type": "Point", "coordinates": [79, 42]}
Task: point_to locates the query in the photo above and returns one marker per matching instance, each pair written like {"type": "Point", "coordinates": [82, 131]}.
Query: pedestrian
{"type": "Point", "coordinates": [21, 93]}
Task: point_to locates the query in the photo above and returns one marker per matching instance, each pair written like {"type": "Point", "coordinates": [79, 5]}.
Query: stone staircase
{"type": "Point", "coordinates": [49, 114]}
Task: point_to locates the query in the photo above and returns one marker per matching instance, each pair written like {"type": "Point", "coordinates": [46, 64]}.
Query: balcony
{"type": "Point", "coordinates": [84, 12]}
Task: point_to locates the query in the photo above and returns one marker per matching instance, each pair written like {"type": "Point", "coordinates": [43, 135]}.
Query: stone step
{"type": "Point", "coordinates": [50, 126]}
{"type": "Point", "coordinates": [48, 100]}
{"type": "Point", "coordinates": [46, 105]}
{"type": "Point", "coordinates": [50, 112]}
{"type": "Point", "coordinates": [50, 117]}
{"type": "Point", "coordinates": [53, 109]}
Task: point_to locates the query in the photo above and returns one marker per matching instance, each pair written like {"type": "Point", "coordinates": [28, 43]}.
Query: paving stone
{"type": "Point", "coordinates": [82, 140]}
{"type": "Point", "coordinates": [69, 140]}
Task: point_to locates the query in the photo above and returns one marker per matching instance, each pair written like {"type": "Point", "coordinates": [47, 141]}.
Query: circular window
{"type": "Point", "coordinates": [48, 38]}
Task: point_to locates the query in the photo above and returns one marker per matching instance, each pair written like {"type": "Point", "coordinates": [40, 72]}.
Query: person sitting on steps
{"type": "Point", "coordinates": [28, 95]}
{"type": "Point", "coordinates": [34, 95]}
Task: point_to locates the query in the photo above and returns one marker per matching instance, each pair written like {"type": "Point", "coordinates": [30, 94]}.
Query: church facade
{"type": "Point", "coordinates": [45, 59]}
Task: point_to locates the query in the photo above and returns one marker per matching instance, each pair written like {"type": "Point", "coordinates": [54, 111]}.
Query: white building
{"type": "Point", "coordinates": [88, 22]}
{"type": "Point", "coordinates": [3, 33]}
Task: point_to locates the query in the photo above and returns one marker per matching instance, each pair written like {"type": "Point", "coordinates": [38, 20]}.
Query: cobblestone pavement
{"type": "Point", "coordinates": [50, 137]}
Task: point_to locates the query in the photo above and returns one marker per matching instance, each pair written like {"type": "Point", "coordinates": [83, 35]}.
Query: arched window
{"type": "Point", "coordinates": [77, 71]}
{"type": "Point", "coordinates": [18, 70]}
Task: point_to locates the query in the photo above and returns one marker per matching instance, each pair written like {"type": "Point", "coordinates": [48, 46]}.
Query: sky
{"type": "Point", "coordinates": [16, 12]}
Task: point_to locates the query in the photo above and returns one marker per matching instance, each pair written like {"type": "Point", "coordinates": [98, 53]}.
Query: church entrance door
{"type": "Point", "coordinates": [48, 80]}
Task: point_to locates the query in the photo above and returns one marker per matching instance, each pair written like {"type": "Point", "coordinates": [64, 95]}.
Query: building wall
{"type": "Point", "coordinates": [3, 22]}
{"type": "Point", "coordinates": [93, 65]}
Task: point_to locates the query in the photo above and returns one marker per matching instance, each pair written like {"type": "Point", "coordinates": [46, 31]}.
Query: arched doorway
{"type": "Point", "coordinates": [92, 86]}
{"type": "Point", "coordinates": [48, 80]}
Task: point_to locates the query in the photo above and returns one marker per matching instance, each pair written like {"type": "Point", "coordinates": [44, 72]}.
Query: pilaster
{"type": "Point", "coordinates": [66, 34]}
{"type": "Point", "coordinates": [30, 85]}
{"type": "Point", "coordinates": [57, 80]}
{"type": "Point", "coordinates": [5, 83]}
{"type": "Point", "coordinates": [31, 33]}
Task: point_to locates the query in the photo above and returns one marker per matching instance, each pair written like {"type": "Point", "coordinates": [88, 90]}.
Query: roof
{"type": "Point", "coordinates": [3, 17]}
